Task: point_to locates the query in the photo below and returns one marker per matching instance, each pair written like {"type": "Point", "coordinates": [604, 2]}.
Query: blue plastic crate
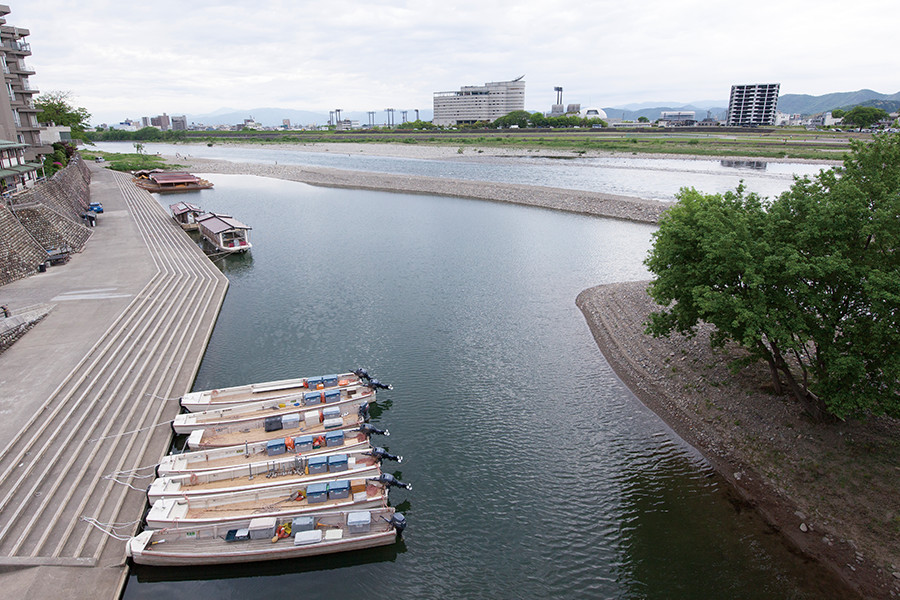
{"type": "Point", "coordinates": [316, 492]}
{"type": "Point", "coordinates": [318, 464]}
{"type": "Point", "coordinates": [338, 490]}
{"type": "Point", "coordinates": [332, 396]}
{"type": "Point", "coordinates": [337, 463]}
{"type": "Point", "coordinates": [303, 443]}
{"type": "Point", "coordinates": [334, 438]}
{"type": "Point", "coordinates": [275, 447]}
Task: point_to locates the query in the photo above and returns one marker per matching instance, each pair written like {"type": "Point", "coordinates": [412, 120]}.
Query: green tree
{"type": "Point", "coordinates": [519, 118]}
{"type": "Point", "coordinates": [810, 282]}
{"type": "Point", "coordinates": [838, 113]}
{"type": "Point", "coordinates": [643, 120]}
{"type": "Point", "coordinates": [55, 107]}
{"type": "Point", "coordinates": [864, 116]}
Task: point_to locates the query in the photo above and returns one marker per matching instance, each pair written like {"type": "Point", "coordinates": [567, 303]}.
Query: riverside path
{"type": "Point", "coordinates": [87, 395]}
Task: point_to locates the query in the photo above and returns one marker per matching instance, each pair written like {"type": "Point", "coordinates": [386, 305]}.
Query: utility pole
{"type": "Point", "coordinates": [417, 113]}
{"type": "Point", "coordinates": [403, 116]}
{"type": "Point", "coordinates": [390, 116]}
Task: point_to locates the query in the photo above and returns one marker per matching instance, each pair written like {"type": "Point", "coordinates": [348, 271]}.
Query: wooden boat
{"type": "Point", "coordinates": [167, 182]}
{"type": "Point", "coordinates": [224, 232]}
{"type": "Point", "coordinates": [185, 214]}
{"type": "Point", "coordinates": [325, 533]}
{"type": "Point", "coordinates": [242, 394]}
{"type": "Point", "coordinates": [258, 414]}
{"type": "Point", "coordinates": [214, 459]}
{"type": "Point", "coordinates": [279, 502]}
{"type": "Point", "coordinates": [294, 470]}
{"type": "Point", "coordinates": [320, 424]}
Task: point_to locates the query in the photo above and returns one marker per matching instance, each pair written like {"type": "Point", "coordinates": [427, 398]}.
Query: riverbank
{"type": "Point", "coordinates": [576, 201]}
{"type": "Point", "coordinates": [831, 490]}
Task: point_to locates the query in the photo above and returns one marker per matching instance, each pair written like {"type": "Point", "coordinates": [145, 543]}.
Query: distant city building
{"type": "Point", "coordinates": [18, 115]}
{"type": "Point", "coordinates": [593, 113]}
{"type": "Point", "coordinates": [286, 123]}
{"type": "Point", "coordinates": [678, 118]}
{"type": "Point", "coordinates": [825, 120]}
{"type": "Point", "coordinates": [479, 103]}
{"type": "Point", "coordinates": [753, 105]}
{"type": "Point", "coordinates": [179, 123]}
{"type": "Point", "coordinates": [162, 121]}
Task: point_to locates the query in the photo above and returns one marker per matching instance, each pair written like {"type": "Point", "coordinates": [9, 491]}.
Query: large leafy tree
{"type": "Point", "coordinates": [864, 116]}
{"type": "Point", "coordinates": [810, 283]}
{"type": "Point", "coordinates": [56, 107]}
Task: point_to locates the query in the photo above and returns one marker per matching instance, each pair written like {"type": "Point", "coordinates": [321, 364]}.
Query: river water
{"type": "Point", "coordinates": [535, 472]}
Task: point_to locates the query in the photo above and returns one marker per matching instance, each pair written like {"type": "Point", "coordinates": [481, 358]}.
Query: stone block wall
{"type": "Point", "coordinates": [46, 216]}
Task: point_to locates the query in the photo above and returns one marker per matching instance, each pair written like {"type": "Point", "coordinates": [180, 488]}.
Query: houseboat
{"type": "Point", "coordinates": [166, 182]}
{"type": "Point", "coordinates": [185, 214]}
{"type": "Point", "coordinates": [224, 232]}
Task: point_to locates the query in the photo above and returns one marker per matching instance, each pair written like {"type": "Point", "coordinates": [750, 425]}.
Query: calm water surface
{"type": "Point", "coordinates": [535, 473]}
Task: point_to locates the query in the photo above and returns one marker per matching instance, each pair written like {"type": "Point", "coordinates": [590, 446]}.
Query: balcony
{"type": "Point", "coordinates": [17, 47]}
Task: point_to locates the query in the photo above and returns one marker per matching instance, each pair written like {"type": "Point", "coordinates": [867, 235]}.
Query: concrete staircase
{"type": "Point", "coordinates": [111, 414]}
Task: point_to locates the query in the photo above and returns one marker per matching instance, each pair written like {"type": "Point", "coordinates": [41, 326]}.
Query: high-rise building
{"type": "Point", "coordinates": [20, 134]}
{"type": "Point", "coordinates": [479, 102]}
{"type": "Point", "coordinates": [179, 123]}
{"type": "Point", "coordinates": [18, 115]}
{"type": "Point", "coordinates": [752, 105]}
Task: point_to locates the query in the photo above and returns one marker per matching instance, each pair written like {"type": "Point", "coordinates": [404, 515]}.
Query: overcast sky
{"type": "Point", "coordinates": [126, 59]}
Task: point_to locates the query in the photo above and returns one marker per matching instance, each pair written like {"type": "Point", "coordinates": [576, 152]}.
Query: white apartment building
{"type": "Point", "coordinates": [479, 102]}
{"type": "Point", "coordinates": [752, 105]}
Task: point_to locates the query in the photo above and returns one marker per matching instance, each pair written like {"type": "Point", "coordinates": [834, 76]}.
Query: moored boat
{"type": "Point", "coordinates": [280, 502]}
{"type": "Point", "coordinates": [264, 413]}
{"type": "Point", "coordinates": [267, 539]}
{"type": "Point", "coordinates": [242, 394]}
{"type": "Point", "coordinates": [293, 470]}
{"type": "Point", "coordinates": [318, 423]}
{"type": "Point", "coordinates": [185, 214]}
{"type": "Point", "coordinates": [212, 459]}
{"type": "Point", "coordinates": [224, 232]}
{"type": "Point", "coordinates": [167, 182]}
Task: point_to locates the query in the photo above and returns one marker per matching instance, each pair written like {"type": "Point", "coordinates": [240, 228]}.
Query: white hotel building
{"type": "Point", "coordinates": [479, 102]}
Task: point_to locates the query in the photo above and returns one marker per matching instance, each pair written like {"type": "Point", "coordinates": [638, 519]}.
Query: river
{"type": "Point", "coordinates": [535, 472]}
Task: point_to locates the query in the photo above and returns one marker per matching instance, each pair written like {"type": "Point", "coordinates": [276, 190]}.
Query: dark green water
{"type": "Point", "coordinates": [535, 473]}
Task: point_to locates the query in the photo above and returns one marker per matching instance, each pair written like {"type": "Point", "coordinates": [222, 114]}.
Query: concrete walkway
{"type": "Point", "coordinates": [90, 390]}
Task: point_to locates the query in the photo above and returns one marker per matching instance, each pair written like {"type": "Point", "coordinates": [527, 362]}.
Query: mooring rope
{"type": "Point", "coordinates": [115, 435]}
{"type": "Point", "coordinates": [110, 528]}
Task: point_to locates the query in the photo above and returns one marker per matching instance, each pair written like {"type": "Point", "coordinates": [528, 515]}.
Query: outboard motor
{"type": "Point", "coordinates": [363, 411]}
{"type": "Point", "coordinates": [362, 374]}
{"type": "Point", "coordinates": [380, 454]}
{"type": "Point", "coordinates": [389, 480]}
{"type": "Point", "coordinates": [369, 429]}
{"type": "Point", "coordinates": [377, 385]}
{"type": "Point", "coordinates": [398, 522]}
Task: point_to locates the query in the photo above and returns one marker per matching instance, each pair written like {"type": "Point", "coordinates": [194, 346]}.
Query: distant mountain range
{"type": "Point", "coordinates": [789, 103]}
{"type": "Point", "coordinates": [811, 105]}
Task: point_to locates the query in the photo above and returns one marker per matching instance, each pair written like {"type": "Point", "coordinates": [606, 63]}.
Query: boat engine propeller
{"type": "Point", "coordinates": [380, 454]}
{"type": "Point", "coordinates": [389, 480]}
{"type": "Point", "coordinates": [397, 521]}
{"type": "Point", "coordinates": [363, 411]}
{"type": "Point", "coordinates": [368, 429]}
{"type": "Point", "coordinates": [377, 385]}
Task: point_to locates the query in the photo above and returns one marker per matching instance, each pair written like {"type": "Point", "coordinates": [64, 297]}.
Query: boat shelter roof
{"type": "Point", "coordinates": [179, 208]}
{"type": "Point", "coordinates": [174, 177]}
{"type": "Point", "coordinates": [219, 223]}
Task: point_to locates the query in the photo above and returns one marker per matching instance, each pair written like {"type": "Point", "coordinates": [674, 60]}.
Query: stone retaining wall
{"type": "Point", "coordinates": [45, 217]}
